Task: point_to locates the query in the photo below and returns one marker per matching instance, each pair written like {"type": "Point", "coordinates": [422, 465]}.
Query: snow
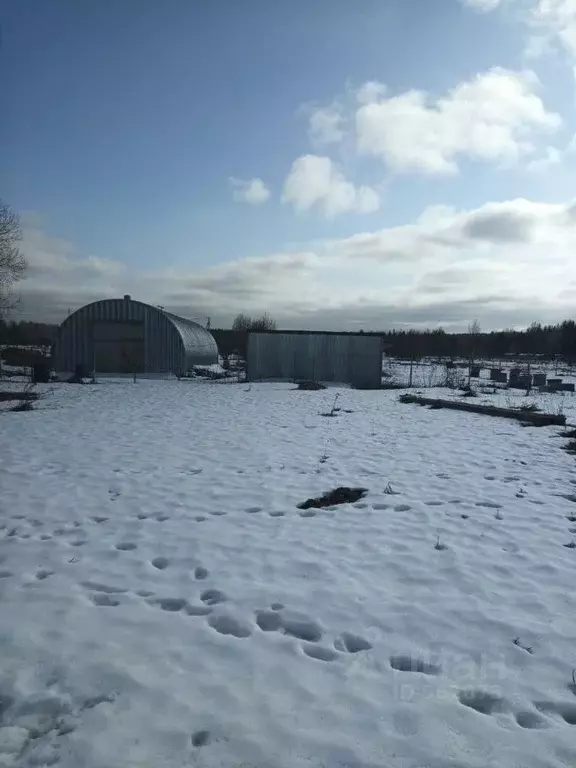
{"type": "Point", "coordinates": [164, 602]}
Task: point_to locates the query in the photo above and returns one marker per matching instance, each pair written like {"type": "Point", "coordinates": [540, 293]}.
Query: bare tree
{"type": "Point", "coordinates": [246, 323]}
{"type": "Point", "coordinates": [264, 323]}
{"type": "Point", "coordinates": [12, 262]}
{"type": "Point", "coordinates": [242, 322]}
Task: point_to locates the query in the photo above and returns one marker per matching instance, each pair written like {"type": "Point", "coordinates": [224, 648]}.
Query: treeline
{"type": "Point", "coordinates": [27, 333]}
{"type": "Point", "coordinates": [550, 340]}
{"type": "Point", "coordinates": [537, 339]}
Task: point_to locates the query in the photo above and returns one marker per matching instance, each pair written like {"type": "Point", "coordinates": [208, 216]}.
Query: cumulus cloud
{"type": "Point", "coordinates": [492, 117]}
{"type": "Point", "coordinates": [326, 125]}
{"type": "Point", "coordinates": [254, 191]}
{"type": "Point", "coordinates": [547, 20]}
{"type": "Point", "coordinates": [316, 182]}
{"type": "Point", "coordinates": [505, 263]}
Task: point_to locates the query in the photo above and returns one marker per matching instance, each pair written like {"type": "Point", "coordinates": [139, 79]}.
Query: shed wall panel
{"type": "Point", "coordinates": [347, 358]}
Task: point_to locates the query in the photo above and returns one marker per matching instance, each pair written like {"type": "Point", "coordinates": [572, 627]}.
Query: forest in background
{"type": "Point", "coordinates": [548, 340]}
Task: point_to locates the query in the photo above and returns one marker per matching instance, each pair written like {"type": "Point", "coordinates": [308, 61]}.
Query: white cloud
{"type": "Point", "coordinates": [548, 20]}
{"type": "Point", "coordinates": [557, 18]}
{"type": "Point", "coordinates": [371, 91]}
{"type": "Point", "coordinates": [482, 5]}
{"type": "Point", "coordinates": [492, 118]}
{"type": "Point", "coordinates": [253, 191]}
{"type": "Point", "coordinates": [506, 263]}
{"type": "Point", "coordinates": [316, 182]}
{"type": "Point", "coordinates": [326, 125]}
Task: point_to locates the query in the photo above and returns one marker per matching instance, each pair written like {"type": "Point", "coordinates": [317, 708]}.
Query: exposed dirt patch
{"type": "Point", "coordinates": [342, 495]}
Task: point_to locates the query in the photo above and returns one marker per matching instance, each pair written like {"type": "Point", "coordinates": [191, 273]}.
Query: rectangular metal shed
{"type": "Point", "coordinates": [351, 358]}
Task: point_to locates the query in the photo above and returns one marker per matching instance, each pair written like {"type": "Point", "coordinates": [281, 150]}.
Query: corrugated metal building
{"type": "Point", "coordinates": [331, 357]}
{"type": "Point", "coordinates": [127, 336]}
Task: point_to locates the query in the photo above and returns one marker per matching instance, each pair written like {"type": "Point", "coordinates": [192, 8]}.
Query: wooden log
{"type": "Point", "coordinates": [537, 419]}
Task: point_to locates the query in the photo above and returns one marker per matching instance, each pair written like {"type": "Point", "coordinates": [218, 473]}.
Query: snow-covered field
{"type": "Point", "coordinates": [164, 603]}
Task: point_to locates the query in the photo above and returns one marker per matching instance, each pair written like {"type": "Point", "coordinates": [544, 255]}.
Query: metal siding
{"type": "Point", "coordinates": [172, 344]}
{"type": "Point", "coordinates": [354, 359]}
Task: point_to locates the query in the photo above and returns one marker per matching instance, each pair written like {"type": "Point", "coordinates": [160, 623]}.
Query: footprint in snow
{"type": "Point", "coordinates": [227, 624]}
{"type": "Point", "coordinates": [213, 597]}
{"type": "Point", "coordinates": [531, 720]}
{"type": "Point", "coordinates": [105, 600]}
{"type": "Point", "coordinates": [201, 738]}
{"type": "Point", "coordinates": [482, 701]}
{"type": "Point", "coordinates": [402, 508]}
{"type": "Point", "coordinates": [161, 563]}
{"type": "Point", "coordinates": [410, 664]}
{"type": "Point", "coordinates": [253, 510]}
{"type": "Point", "coordinates": [200, 573]}
{"type": "Point", "coordinates": [43, 574]}
{"type": "Point", "coordinates": [350, 643]}
{"type": "Point", "coordinates": [319, 653]}
{"type": "Point", "coordinates": [125, 546]}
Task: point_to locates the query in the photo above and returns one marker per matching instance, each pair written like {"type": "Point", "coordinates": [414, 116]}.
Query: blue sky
{"type": "Point", "coordinates": [133, 132]}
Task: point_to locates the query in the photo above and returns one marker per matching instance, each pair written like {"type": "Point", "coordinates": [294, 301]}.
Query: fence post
{"type": "Point", "coordinates": [411, 370]}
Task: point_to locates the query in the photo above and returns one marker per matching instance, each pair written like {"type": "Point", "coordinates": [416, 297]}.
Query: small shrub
{"type": "Point", "coordinates": [23, 405]}
{"type": "Point", "coordinates": [405, 398]}
{"type": "Point", "coordinates": [529, 408]}
{"type": "Point", "coordinates": [310, 386]}
{"type": "Point", "coordinates": [570, 447]}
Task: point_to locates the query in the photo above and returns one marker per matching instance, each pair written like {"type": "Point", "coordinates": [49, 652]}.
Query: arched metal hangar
{"type": "Point", "coordinates": [127, 336]}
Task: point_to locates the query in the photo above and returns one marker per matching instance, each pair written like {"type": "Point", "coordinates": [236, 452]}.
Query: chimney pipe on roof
{"type": "Point", "coordinates": [127, 297]}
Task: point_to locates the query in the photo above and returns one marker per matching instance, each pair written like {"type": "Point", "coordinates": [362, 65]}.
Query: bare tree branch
{"type": "Point", "coordinates": [12, 263]}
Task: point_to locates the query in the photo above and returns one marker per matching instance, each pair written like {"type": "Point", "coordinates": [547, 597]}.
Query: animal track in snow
{"type": "Point", "coordinates": [308, 513]}
{"type": "Point", "coordinates": [104, 600]}
{"type": "Point", "coordinates": [43, 574]}
{"type": "Point", "coordinates": [217, 513]}
{"type": "Point", "coordinates": [161, 563]}
{"type": "Point", "coordinates": [253, 510]}
{"type": "Point", "coordinates": [162, 518]}
{"type": "Point", "coordinates": [108, 590]}
{"type": "Point", "coordinates": [566, 711]}
{"type": "Point", "coordinates": [402, 508]}
{"type": "Point", "coordinates": [6, 574]}
{"type": "Point", "coordinates": [200, 518]}
{"type": "Point", "coordinates": [489, 504]}
{"type": "Point", "coordinates": [144, 592]}
{"type": "Point", "coordinates": [379, 506]}
{"type": "Point", "coordinates": [482, 701]}
{"type": "Point", "coordinates": [351, 643]}
{"type": "Point", "coordinates": [213, 597]}
{"type": "Point", "coordinates": [318, 652]}
{"type": "Point", "coordinates": [125, 546]}
{"type": "Point", "coordinates": [200, 738]}
{"type": "Point", "coordinates": [268, 621]}
{"type": "Point", "coordinates": [99, 520]}
{"type": "Point", "coordinates": [530, 720]}
{"type": "Point", "coordinates": [434, 503]}
{"type": "Point", "coordinates": [301, 626]}
{"type": "Point", "coordinates": [142, 516]}
{"type": "Point", "coordinates": [410, 664]}
{"type": "Point", "coordinates": [45, 537]}
{"type": "Point", "coordinates": [277, 606]}
{"type": "Point", "coordinates": [171, 604]}
{"type": "Point", "coordinates": [226, 624]}
{"type": "Point", "coordinates": [276, 513]}
{"type": "Point", "coordinates": [198, 610]}
{"type": "Point", "coordinates": [200, 573]}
